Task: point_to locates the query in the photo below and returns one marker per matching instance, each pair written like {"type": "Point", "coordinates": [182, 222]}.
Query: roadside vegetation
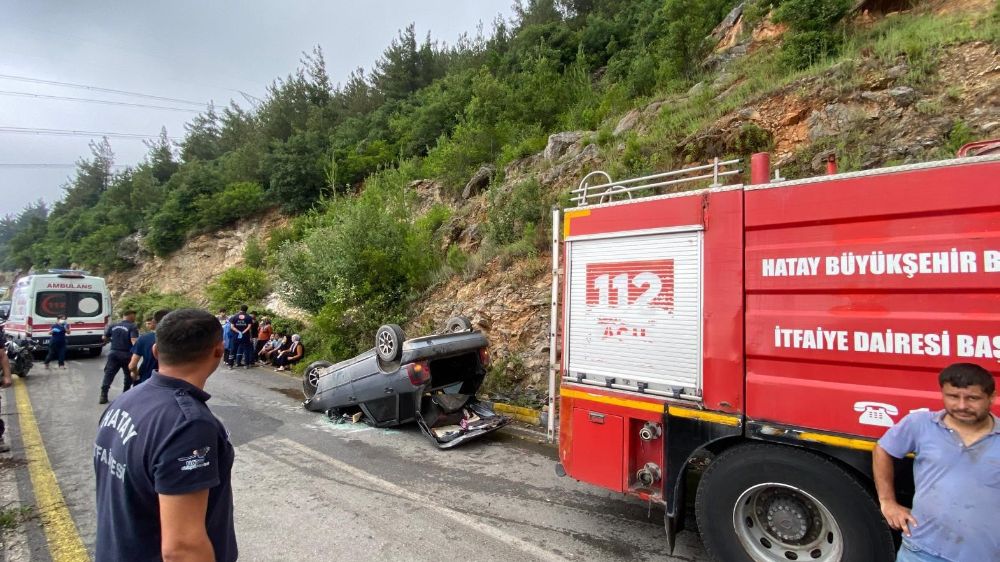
{"type": "Point", "coordinates": [12, 516]}
{"type": "Point", "coordinates": [340, 158]}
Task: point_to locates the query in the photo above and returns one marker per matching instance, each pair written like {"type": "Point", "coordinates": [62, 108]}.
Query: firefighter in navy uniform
{"type": "Point", "coordinates": [122, 337]}
{"type": "Point", "coordinates": [163, 461]}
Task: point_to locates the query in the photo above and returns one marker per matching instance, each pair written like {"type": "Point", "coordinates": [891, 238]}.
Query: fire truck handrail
{"type": "Point", "coordinates": [607, 190]}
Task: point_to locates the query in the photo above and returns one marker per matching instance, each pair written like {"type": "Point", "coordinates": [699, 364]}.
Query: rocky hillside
{"type": "Point", "coordinates": [911, 87]}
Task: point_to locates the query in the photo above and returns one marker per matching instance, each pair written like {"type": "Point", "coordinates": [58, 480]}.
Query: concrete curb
{"type": "Point", "coordinates": [526, 415]}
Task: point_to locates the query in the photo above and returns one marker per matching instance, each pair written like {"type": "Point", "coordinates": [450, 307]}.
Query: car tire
{"type": "Point", "coordinates": [768, 503]}
{"type": "Point", "coordinates": [457, 324]}
{"type": "Point", "coordinates": [389, 343]}
{"type": "Point", "coordinates": [310, 378]}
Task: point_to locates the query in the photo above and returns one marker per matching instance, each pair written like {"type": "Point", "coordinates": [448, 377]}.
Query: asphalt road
{"type": "Point", "coordinates": [306, 488]}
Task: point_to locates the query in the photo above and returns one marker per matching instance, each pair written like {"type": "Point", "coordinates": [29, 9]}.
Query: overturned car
{"type": "Point", "coordinates": [431, 380]}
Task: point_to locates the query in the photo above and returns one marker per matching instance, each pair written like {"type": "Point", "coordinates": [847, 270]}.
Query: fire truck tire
{"type": "Point", "coordinates": [769, 503]}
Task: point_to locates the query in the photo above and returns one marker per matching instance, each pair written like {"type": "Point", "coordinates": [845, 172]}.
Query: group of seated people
{"type": "Point", "coordinates": [282, 351]}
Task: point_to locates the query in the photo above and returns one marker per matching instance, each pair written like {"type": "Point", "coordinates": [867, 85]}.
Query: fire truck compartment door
{"type": "Point", "coordinates": [634, 312]}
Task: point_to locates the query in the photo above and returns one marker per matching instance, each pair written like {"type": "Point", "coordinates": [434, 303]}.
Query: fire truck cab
{"type": "Point", "coordinates": [762, 337]}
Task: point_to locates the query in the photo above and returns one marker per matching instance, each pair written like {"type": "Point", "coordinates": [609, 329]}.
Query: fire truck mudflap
{"type": "Point", "coordinates": [767, 335]}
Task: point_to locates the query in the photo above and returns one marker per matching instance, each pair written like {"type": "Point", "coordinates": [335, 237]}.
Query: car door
{"type": "Point", "coordinates": [378, 393]}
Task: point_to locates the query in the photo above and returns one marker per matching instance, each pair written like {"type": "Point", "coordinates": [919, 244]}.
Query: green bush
{"type": "Point", "coordinates": [815, 33]}
{"type": "Point", "coordinates": [237, 201]}
{"type": "Point", "coordinates": [752, 138]}
{"type": "Point", "coordinates": [237, 286]}
{"type": "Point", "coordinates": [511, 212]}
{"type": "Point", "coordinates": [254, 254]}
{"type": "Point", "coordinates": [456, 258]}
{"type": "Point", "coordinates": [145, 304]}
{"type": "Point", "coordinates": [361, 265]}
{"type": "Point", "coordinates": [805, 48]}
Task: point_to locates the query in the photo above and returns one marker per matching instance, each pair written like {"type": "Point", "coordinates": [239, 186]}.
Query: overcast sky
{"type": "Point", "coordinates": [181, 49]}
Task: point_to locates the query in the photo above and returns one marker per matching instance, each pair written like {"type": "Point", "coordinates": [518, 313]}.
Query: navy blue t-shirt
{"type": "Point", "coordinates": [240, 321]}
{"type": "Point", "coordinates": [160, 438]}
{"type": "Point", "coordinates": [121, 335]}
{"type": "Point", "coordinates": [58, 334]}
{"type": "Point", "coordinates": [144, 348]}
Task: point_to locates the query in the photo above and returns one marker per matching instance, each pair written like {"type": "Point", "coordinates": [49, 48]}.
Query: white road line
{"type": "Point", "coordinates": [424, 502]}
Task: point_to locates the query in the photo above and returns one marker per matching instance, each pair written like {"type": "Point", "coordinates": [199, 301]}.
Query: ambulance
{"type": "Point", "coordinates": [39, 299]}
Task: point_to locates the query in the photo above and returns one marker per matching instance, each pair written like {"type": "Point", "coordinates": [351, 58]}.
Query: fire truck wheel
{"type": "Point", "coordinates": [769, 503]}
{"type": "Point", "coordinates": [310, 380]}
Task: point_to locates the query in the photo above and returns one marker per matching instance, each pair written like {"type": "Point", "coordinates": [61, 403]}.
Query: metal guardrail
{"type": "Point", "coordinates": [605, 192]}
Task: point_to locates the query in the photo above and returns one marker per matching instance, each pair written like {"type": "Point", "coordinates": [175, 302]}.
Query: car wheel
{"type": "Point", "coordinates": [457, 324]}
{"type": "Point", "coordinates": [310, 379]}
{"type": "Point", "coordinates": [764, 503]}
{"type": "Point", "coordinates": [389, 343]}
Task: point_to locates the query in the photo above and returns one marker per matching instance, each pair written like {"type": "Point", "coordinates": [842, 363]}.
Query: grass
{"type": "Point", "coordinates": [917, 38]}
{"type": "Point", "coordinates": [11, 516]}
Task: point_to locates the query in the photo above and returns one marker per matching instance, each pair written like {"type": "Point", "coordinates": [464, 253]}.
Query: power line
{"type": "Point", "coordinates": [91, 100]}
{"type": "Point", "coordinates": [98, 89]}
{"type": "Point", "coordinates": [48, 166]}
{"type": "Point", "coordinates": [72, 133]}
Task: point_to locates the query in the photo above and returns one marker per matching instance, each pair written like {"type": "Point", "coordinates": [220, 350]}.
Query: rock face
{"type": "Point", "coordinates": [480, 180]}
{"type": "Point", "coordinates": [510, 304]}
{"type": "Point", "coordinates": [560, 144]}
{"type": "Point", "coordinates": [191, 268]}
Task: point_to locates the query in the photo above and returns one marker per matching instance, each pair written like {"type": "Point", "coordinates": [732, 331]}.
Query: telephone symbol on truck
{"type": "Point", "coordinates": [876, 413]}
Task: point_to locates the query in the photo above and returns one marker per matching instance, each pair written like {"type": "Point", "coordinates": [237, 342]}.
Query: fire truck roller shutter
{"type": "Point", "coordinates": [634, 311]}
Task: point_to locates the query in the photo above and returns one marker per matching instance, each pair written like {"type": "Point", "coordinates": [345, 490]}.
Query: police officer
{"type": "Point", "coordinates": [163, 461]}
{"type": "Point", "coordinates": [122, 337]}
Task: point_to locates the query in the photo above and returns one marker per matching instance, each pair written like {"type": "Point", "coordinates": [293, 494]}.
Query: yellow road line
{"type": "Point", "coordinates": [65, 544]}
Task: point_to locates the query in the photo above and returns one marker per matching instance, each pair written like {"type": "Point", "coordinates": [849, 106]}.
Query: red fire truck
{"type": "Point", "coordinates": [760, 338]}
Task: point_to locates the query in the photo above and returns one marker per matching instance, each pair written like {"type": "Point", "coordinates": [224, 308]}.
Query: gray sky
{"type": "Point", "coordinates": [183, 49]}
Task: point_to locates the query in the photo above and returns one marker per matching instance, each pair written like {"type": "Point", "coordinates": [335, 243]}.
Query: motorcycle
{"type": "Point", "coordinates": [20, 352]}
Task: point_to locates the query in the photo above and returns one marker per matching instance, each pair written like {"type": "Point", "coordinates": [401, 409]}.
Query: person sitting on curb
{"type": "Point", "coordinates": [290, 356]}
{"type": "Point", "coordinates": [57, 343]}
{"type": "Point", "coordinates": [271, 346]}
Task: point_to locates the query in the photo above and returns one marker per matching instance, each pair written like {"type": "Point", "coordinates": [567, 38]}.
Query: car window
{"type": "Point", "coordinates": [71, 303]}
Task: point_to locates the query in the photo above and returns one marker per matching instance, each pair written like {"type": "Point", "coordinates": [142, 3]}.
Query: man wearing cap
{"type": "Point", "coordinates": [122, 337]}
{"type": "Point", "coordinates": [163, 461]}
